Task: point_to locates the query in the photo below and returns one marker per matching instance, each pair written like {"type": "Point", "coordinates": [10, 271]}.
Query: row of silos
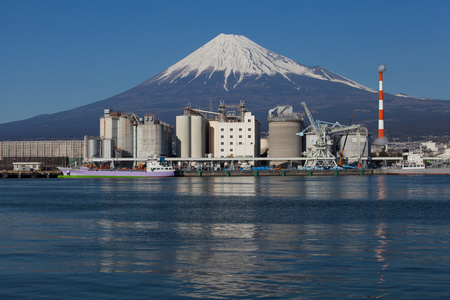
{"type": "Point", "coordinates": [119, 128]}
{"type": "Point", "coordinates": [124, 135]}
{"type": "Point", "coordinates": [98, 148]}
{"type": "Point", "coordinates": [192, 133]}
{"type": "Point", "coordinates": [154, 138]}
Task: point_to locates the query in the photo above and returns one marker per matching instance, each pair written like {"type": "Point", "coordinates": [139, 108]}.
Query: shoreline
{"type": "Point", "coordinates": [233, 173]}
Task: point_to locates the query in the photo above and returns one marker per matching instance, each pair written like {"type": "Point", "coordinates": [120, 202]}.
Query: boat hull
{"type": "Point", "coordinates": [69, 172]}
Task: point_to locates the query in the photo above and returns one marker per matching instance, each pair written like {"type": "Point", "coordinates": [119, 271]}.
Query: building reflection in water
{"type": "Point", "coordinates": [239, 260]}
{"type": "Point", "coordinates": [381, 234]}
{"type": "Point", "coordinates": [252, 258]}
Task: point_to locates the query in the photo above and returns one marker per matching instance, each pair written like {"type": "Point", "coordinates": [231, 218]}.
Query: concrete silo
{"type": "Point", "coordinates": [154, 138]}
{"type": "Point", "coordinates": [107, 148]}
{"type": "Point", "coordinates": [284, 124]}
{"type": "Point", "coordinates": [198, 138]}
{"type": "Point", "coordinates": [183, 134]}
{"type": "Point", "coordinates": [125, 135]}
{"type": "Point", "coordinates": [92, 146]}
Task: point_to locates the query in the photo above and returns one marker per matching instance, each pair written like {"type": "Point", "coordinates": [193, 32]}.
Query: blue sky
{"type": "Point", "coordinates": [60, 54]}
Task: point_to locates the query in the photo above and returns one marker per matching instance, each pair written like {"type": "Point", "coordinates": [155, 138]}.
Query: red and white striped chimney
{"type": "Point", "coordinates": [381, 69]}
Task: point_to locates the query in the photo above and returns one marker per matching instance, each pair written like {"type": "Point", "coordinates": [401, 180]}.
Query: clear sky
{"type": "Point", "coordinates": [60, 54]}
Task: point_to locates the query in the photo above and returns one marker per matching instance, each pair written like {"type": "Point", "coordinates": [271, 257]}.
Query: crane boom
{"type": "Point", "coordinates": [311, 120]}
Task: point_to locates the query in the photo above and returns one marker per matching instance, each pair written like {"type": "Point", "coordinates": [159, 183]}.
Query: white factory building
{"type": "Point", "coordinates": [228, 133]}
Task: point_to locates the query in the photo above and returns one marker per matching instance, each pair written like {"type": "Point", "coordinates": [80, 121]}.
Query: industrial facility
{"type": "Point", "coordinates": [231, 132]}
{"type": "Point", "coordinates": [229, 138]}
{"type": "Point", "coordinates": [125, 135]}
{"type": "Point", "coordinates": [48, 154]}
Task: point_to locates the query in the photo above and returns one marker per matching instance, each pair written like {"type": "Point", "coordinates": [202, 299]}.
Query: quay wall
{"type": "Point", "coordinates": [231, 173]}
{"type": "Point", "coordinates": [277, 173]}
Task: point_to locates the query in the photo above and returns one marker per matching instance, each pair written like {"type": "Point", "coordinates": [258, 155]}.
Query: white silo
{"type": "Point", "coordinates": [183, 135]}
{"type": "Point", "coordinates": [197, 136]}
{"type": "Point", "coordinates": [125, 135]}
{"type": "Point", "coordinates": [108, 127]}
{"type": "Point", "coordinates": [107, 148]}
{"type": "Point", "coordinates": [92, 145]}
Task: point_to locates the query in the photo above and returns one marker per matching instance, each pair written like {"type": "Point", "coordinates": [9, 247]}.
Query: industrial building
{"type": "Point", "coordinates": [230, 132]}
{"type": "Point", "coordinates": [125, 135]}
{"type": "Point", "coordinates": [49, 153]}
{"type": "Point", "coordinates": [325, 141]}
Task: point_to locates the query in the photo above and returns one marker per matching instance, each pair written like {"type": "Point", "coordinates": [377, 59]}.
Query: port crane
{"type": "Point", "coordinates": [321, 157]}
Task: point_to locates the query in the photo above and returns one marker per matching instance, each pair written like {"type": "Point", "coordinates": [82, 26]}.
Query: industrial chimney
{"type": "Point", "coordinates": [381, 69]}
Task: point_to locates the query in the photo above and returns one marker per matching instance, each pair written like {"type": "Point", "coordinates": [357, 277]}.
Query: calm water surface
{"type": "Point", "coordinates": [226, 238]}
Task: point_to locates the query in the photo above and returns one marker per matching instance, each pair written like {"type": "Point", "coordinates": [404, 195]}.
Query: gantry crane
{"type": "Point", "coordinates": [321, 157]}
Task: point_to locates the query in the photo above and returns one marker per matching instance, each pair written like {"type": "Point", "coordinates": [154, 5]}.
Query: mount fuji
{"type": "Point", "coordinates": [233, 68]}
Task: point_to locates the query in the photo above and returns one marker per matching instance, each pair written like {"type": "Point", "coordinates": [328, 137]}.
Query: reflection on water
{"type": "Point", "coordinates": [322, 188]}
{"type": "Point", "coordinates": [307, 237]}
{"type": "Point", "coordinates": [381, 187]}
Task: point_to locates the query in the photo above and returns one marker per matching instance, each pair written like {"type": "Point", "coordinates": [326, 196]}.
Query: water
{"type": "Point", "coordinates": [225, 238]}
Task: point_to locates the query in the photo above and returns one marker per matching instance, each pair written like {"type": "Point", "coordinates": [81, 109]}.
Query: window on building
{"type": "Point", "coordinates": [240, 136]}
{"type": "Point", "coordinates": [231, 129]}
{"type": "Point", "coordinates": [231, 143]}
{"type": "Point", "coordinates": [221, 129]}
{"type": "Point", "coordinates": [231, 150]}
{"type": "Point", "coordinates": [231, 136]}
{"type": "Point", "coordinates": [221, 136]}
{"type": "Point", "coordinates": [240, 129]}
{"type": "Point", "coordinates": [240, 143]}
{"type": "Point", "coordinates": [221, 143]}
{"type": "Point", "coordinates": [222, 150]}
{"type": "Point", "coordinates": [249, 129]}
{"type": "Point", "coordinates": [249, 120]}
{"type": "Point", "coordinates": [249, 136]}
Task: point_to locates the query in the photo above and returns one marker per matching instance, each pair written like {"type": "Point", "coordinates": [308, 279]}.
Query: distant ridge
{"type": "Point", "coordinates": [232, 68]}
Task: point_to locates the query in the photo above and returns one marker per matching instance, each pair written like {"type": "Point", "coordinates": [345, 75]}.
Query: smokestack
{"type": "Point", "coordinates": [381, 69]}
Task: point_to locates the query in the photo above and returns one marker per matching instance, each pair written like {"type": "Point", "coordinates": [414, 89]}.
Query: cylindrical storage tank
{"type": "Point", "coordinates": [107, 148]}
{"type": "Point", "coordinates": [205, 148]}
{"type": "Point", "coordinates": [197, 136]}
{"type": "Point", "coordinates": [183, 133]}
{"type": "Point", "coordinates": [108, 127]}
{"type": "Point", "coordinates": [92, 148]}
{"type": "Point", "coordinates": [283, 139]}
{"type": "Point", "coordinates": [125, 136]}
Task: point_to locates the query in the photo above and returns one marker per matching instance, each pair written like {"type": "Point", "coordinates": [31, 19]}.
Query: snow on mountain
{"type": "Point", "coordinates": [237, 56]}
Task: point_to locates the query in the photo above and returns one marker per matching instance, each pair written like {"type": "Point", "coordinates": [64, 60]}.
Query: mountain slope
{"type": "Point", "coordinates": [232, 68]}
{"type": "Point", "coordinates": [238, 57]}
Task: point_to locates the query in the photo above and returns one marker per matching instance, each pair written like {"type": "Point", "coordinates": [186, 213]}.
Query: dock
{"type": "Point", "coordinates": [235, 173]}
{"type": "Point", "coordinates": [222, 173]}
{"type": "Point", "coordinates": [30, 174]}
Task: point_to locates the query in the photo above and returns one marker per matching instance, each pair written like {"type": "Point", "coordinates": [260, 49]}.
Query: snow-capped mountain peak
{"type": "Point", "coordinates": [237, 56]}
